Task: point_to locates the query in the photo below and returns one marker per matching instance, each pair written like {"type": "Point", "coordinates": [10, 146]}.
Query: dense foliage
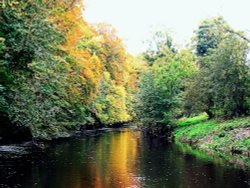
{"type": "Point", "coordinates": [162, 83]}
{"type": "Point", "coordinates": [212, 76]}
{"type": "Point", "coordinates": [58, 73]}
{"type": "Point", "coordinates": [221, 87]}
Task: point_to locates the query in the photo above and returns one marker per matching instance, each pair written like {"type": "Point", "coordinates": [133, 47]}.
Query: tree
{"type": "Point", "coordinates": [160, 46]}
{"type": "Point", "coordinates": [209, 34]}
{"type": "Point", "coordinates": [54, 68]}
{"type": "Point", "coordinates": [160, 87]}
{"type": "Point", "coordinates": [219, 88]}
{"type": "Point", "coordinates": [229, 74]}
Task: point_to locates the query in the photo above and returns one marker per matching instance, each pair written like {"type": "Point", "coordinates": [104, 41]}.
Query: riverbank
{"type": "Point", "coordinates": [218, 137]}
{"type": "Point", "coordinates": [17, 150]}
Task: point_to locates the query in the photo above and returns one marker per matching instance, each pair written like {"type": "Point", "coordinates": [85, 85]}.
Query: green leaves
{"type": "Point", "coordinates": [209, 35]}
{"type": "Point", "coordinates": [110, 104]}
{"type": "Point", "coordinates": [160, 47]}
{"type": "Point", "coordinates": [3, 101]}
{"type": "Point", "coordinates": [34, 73]}
{"type": "Point", "coordinates": [160, 88]}
{"type": "Point", "coordinates": [28, 33]}
{"type": "Point", "coordinates": [229, 75]}
{"type": "Point", "coordinates": [51, 67]}
{"type": "Point", "coordinates": [220, 87]}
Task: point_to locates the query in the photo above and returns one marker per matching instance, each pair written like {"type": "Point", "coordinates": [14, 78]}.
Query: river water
{"type": "Point", "coordinates": [119, 159]}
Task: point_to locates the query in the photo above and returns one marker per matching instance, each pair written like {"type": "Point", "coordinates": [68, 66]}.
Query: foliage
{"type": "Point", "coordinates": [59, 73]}
{"type": "Point", "coordinates": [28, 33]}
{"type": "Point", "coordinates": [160, 46]}
{"type": "Point", "coordinates": [229, 74]}
{"type": "Point", "coordinates": [110, 103]}
{"type": "Point", "coordinates": [56, 69]}
{"type": "Point", "coordinates": [193, 120]}
{"type": "Point", "coordinates": [225, 136]}
{"type": "Point", "coordinates": [160, 87]}
{"type": "Point", "coordinates": [214, 79]}
{"type": "Point", "coordinates": [209, 34]}
{"type": "Point", "coordinates": [220, 88]}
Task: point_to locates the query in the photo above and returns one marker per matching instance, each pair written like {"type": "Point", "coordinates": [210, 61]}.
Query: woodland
{"type": "Point", "coordinates": [60, 74]}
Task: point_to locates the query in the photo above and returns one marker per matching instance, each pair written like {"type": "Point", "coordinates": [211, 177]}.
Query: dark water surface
{"type": "Point", "coordinates": [119, 159]}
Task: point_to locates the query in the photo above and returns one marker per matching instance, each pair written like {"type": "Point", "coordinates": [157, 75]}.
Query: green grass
{"type": "Point", "coordinates": [193, 120]}
{"type": "Point", "coordinates": [222, 136]}
{"type": "Point", "coordinates": [196, 131]}
{"type": "Point", "coordinates": [244, 144]}
{"type": "Point", "coordinates": [217, 137]}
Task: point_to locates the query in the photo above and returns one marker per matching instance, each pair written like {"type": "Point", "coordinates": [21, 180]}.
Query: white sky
{"type": "Point", "coordinates": [134, 19]}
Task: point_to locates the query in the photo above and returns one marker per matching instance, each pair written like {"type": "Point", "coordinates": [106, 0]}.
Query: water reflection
{"type": "Point", "coordinates": [119, 159]}
{"type": "Point", "coordinates": [116, 160]}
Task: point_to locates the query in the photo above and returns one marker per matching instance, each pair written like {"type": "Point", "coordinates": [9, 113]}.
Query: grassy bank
{"type": "Point", "coordinates": [223, 137]}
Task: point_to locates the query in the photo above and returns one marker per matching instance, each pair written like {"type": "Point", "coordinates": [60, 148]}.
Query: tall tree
{"type": "Point", "coordinates": [160, 88]}
{"type": "Point", "coordinates": [219, 88]}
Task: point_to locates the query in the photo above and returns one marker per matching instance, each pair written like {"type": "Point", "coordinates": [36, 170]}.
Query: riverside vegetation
{"type": "Point", "coordinates": [60, 74]}
{"type": "Point", "coordinates": [217, 137]}
{"type": "Point", "coordinates": [211, 77]}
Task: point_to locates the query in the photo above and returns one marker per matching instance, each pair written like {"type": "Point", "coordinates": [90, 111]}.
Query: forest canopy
{"type": "Point", "coordinates": [60, 74]}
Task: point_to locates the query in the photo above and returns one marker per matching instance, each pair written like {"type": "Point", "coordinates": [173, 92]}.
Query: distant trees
{"type": "Point", "coordinates": [213, 79]}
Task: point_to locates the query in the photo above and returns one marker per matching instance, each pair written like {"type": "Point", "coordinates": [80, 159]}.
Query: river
{"type": "Point", "coordinates": [119, 159]}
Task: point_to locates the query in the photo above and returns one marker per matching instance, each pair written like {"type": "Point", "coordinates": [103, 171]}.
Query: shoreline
{"type": "Point", "coordinates": [227, 139]}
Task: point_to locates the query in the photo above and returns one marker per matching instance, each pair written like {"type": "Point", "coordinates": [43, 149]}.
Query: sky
{"type": "Point", "coordinates": [135, 20]}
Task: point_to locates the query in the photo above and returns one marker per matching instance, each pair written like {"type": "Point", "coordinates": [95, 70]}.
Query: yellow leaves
{"type": "Point", "coordinates": [72, 38]}
{"type": "Point", "coordinates": [96, 65]}
{"type": "Point", "coordinates": [115, 102]}
{"type": "Point", "coordinates": [99, 107]}
{"type": "Point", "coordinates": [106, 75]}
{"type": "Point", "coordinates": [98, 61]}
{"type": "Point", "coordinates": [82, 78]}
{"type": "Point", "coordinates": [94, 60]}
{"type": "Point", "coordinates": [93, 70]}
{"type": "Point", "coordinates": [67, 14]}
{"type": "Point", "coordinates": [82, 57]}
{"type": "Point", "coordinates": [118, 109]}
{"type": "Point", "coordinates": [74, 90]}
{"type": "Point", "coordinates": [77, 28]}
{"type": "Point", "coordinates": [88, 74]}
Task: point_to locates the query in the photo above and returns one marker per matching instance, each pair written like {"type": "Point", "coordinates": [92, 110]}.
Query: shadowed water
{"type": "Point", "coordinates": [119, 159]}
